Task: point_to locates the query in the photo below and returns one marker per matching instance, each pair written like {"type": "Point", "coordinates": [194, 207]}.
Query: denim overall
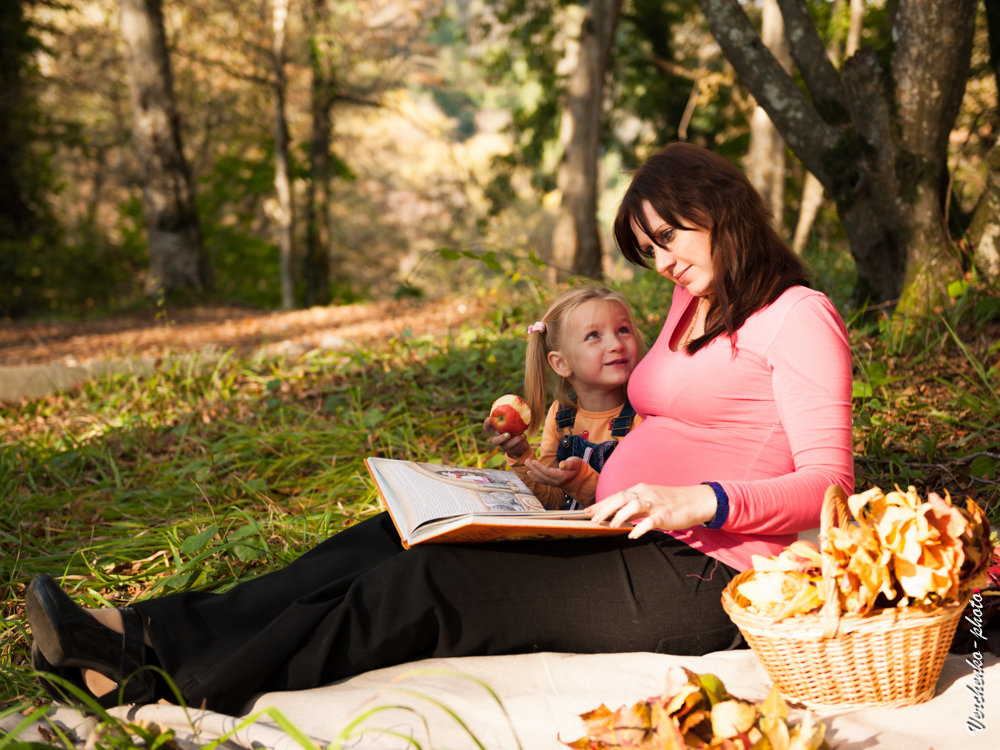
{"type": "Point", "coordinates": [596, 454]}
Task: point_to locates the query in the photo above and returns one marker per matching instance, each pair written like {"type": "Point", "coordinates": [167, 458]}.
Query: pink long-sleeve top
{"type": "Point", "coordinates": [767, 415]}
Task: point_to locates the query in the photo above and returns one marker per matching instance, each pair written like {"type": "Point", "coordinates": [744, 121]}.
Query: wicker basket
{"type": "Point", "coordinates": [889, 657]}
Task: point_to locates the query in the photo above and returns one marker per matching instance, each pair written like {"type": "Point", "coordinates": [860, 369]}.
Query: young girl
{"type": "Point", "coordinates": [589, 340]}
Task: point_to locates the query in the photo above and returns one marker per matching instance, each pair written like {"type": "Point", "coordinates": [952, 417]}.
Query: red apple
{"type": "Point", "coordinates": [510, 414]}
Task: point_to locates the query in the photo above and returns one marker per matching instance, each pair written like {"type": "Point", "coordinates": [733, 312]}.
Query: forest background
{"type": "Point", "coordinates": [442, 165]}
{"type": "Point", "coordinates": [291, 153]}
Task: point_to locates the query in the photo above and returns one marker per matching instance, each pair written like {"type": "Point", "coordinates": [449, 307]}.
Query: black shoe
{"type": "Point", "coordinates": [56, 691]}
{"type": "Point", "coordinates": [66, 636]}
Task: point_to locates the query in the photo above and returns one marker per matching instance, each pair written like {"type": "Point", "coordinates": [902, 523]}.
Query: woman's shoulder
{"type": "Point", "coordinates": [796, 294]}
{"type": "Point", "coordinates": [797, 314]}
{"type": "Point", "coordinates": [800, 300]}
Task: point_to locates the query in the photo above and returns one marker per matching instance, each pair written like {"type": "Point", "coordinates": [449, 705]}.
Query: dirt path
{"type": "Point", "coordinates": [40, 357]}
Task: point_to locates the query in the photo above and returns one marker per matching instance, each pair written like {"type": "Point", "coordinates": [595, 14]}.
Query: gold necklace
{"type": "Point", "coordinates": [694, 321]}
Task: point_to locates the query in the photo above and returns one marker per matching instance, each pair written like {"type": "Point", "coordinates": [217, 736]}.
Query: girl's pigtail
{"type": "Point", "coordinates": [535, 374]}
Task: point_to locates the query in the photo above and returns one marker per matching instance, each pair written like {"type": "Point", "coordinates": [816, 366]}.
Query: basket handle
{"type": "Point", "coordinates": [834, 513]}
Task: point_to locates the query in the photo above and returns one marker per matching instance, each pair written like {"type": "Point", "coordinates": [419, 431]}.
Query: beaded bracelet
{"type": "Point", "coordinates": [721, 506]}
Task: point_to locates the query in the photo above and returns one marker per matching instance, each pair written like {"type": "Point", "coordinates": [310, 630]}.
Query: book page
{"type": "Point", "coordinates": [424, 492]}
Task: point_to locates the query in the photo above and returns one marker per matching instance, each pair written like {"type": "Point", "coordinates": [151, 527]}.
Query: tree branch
{"type": "Point", "coordinates": [811, 58]}
{"type": "Point", "coordinates": [349, 98]}
{"type": "Point", "coordinates": [805, 132]}
{"type": "Point", "coordinates": [869, 108]}
{"type": "Point", "coordinates": [674, 69]}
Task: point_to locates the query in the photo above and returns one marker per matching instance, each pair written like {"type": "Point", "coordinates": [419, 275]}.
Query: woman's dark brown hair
{"type": "Point", "coordinates": [691, 187]}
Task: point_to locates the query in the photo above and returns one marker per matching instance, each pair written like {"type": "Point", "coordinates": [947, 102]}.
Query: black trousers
{"type": "Point", "coordinates": [359, 601]}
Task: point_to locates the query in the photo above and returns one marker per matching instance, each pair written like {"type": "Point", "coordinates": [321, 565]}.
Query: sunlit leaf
{"type": "Point", "coordinates": [732, 718]}
{"type": "Point", "coordinates": [196, 542]}
{"type": "Point", "coordinates": [712, 687]}
{"type": "Point", "coordinates": [774, 705]}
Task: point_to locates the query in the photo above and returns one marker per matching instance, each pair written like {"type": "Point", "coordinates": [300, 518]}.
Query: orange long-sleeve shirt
{"type": "Point", "coordinates": [596, 428]}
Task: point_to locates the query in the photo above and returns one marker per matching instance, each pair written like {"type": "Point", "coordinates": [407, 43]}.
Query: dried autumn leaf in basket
{"type": "Point", "coordinates": [935, 551]}
{"type": "Point", "coordinates": [980, 553]}
{"type": "Point", "coordinates": [785, 585]}
{"type": "Point", "coordinates": [898, 551]}
{"type": "Point", "coordinates": [695, 711]}
{"type": "Point", "coordinates": [861, 567]}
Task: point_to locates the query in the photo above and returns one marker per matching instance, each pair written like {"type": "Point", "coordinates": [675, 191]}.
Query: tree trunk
{"type": "Point", "coordinates": [576, 243]}
{"type": "Point", "coordinates": [176, 256]}
{"type": "Point", "coordinates": [984, 229]}
{"type": "Point", "coordinates": [282, 180]}
{"type": "Point", "coordinates": [812, 189]}
{"type": "Point", "coordinates": [16, 212]}
{"type": "Point", "coordinates": [766, 160]}
{"type": "Point", "coordinates": [877, 143]}
{"type": "Point", "coordinates": [809, 205]}
{"type": "Point", "coordinates": [317, 214]}
{"type": "Point", "coordinates": [930, 67]}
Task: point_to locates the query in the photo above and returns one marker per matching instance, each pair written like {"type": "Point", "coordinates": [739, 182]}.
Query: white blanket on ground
{"type": "Point", "coordinates": [533, 701]}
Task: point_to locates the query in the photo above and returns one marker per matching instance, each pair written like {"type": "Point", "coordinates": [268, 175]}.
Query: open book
{"type": "Point", "coordinates": [437, 503]}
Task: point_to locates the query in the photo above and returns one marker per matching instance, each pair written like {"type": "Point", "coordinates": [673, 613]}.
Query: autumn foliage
{"type": "Point", "coordinates": [696, 711]}
{"type": "Point", "coordinates": [897, 551]}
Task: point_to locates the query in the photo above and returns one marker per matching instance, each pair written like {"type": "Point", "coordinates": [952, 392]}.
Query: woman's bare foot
{"type": "Point", "coordinates": [97, 683]}
{"type": "Point", "coordinates": [109, 618]}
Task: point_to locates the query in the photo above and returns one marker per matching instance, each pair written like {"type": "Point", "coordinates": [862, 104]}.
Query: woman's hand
{"type": "Point", "coordinates": [656, 507]}
{"type": "Point", "coordinates": [514, 446]}
{"type": "Point", "coordinates": [557, 476]}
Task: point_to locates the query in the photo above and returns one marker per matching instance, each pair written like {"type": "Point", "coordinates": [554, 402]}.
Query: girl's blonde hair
{"type": "Point", "coordinates": [537, 371]}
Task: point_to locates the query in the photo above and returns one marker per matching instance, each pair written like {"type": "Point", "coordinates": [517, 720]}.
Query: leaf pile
{"type": "Point", "coordinates": [898, 551]}
{"type": "Point", "coordinates": [696, 711]}
{"type": "Point", "coordinates": [929, 553]}
{"type": "Point", "coordinates": [786, 585]}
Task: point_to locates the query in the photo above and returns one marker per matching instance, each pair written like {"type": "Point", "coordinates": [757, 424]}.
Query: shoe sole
{"type": "Point", "coordinates": [43, 629]}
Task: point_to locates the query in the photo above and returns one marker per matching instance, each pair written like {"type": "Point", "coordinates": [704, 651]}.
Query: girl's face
{"type": "Point", "coordinates": [598, 348]}
{"type": "Point", "coordinates": [682, 255]}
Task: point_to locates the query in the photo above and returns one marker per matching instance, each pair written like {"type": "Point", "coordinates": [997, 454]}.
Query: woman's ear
{"type": "Point", "coordinates": [559, 364]}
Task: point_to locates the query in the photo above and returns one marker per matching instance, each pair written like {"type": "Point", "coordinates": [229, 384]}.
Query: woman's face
{"type": "Point", "coordinates": [682, 255]}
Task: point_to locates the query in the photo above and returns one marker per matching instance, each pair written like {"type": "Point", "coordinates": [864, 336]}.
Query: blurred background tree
{"type": "Point", "coordinates": [176, 258]}
{"type": "Point", "coordinates": [27, 230]}
{"type": "Point", "coordinates": [500, 130]}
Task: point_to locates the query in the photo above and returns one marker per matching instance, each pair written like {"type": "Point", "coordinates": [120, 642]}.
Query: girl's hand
{"type": "Point", "coordinates": [656, 507]}
{"type": "Point", "coordinates": [514, 446]}
{"type": "Point", "coordinates": [557, 476]}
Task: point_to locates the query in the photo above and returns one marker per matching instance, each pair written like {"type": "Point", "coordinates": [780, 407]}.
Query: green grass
{"type": "Point", "coordinates": [208, 471]}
